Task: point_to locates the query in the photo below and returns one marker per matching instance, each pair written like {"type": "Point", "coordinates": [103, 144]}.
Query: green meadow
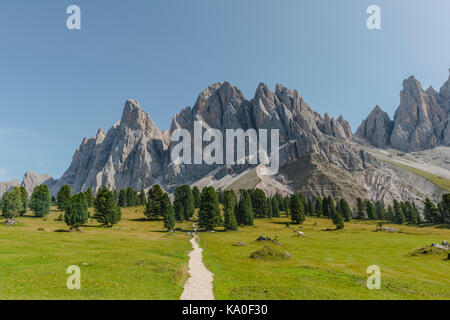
{"type": "Point", "coordinates": [327, 264]}
{"type": "Point", "coordinates": [139, 260]}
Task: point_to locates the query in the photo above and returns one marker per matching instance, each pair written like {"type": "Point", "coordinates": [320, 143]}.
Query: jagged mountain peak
{"type": "Point", "coordinates": [422, 120]}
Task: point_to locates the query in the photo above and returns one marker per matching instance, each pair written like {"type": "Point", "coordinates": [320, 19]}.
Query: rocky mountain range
{"type": "Point", "coordinates": [422, 120]}
{"type": "Point", "coordinates": [318, 155]}
{"type": "Point", "coordinates": [30, 181]}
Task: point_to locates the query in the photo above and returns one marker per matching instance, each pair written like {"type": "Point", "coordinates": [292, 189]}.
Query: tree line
{"type": "Point", "coordinates": [239, 209]}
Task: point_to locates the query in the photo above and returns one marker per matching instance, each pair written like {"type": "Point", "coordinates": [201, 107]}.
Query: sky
{"type": "Point", "coordinates": [58, 86]}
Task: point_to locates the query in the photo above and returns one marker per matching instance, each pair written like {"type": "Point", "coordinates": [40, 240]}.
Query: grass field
{"type": "Point", "coordinates": [138, 260]}
{"type": "Point", "coordinates": [327, 264]}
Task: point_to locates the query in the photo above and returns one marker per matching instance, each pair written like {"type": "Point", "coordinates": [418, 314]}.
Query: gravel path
{"type": "Point", "coordinates": [199, 285]}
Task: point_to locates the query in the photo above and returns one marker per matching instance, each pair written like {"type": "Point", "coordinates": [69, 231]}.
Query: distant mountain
{"type": "Point", "coordinates": [317, 154]}
{"type": "Point", "coordinates": [421, 122]}
{"type": "Point", "coordinates": [30, 181]}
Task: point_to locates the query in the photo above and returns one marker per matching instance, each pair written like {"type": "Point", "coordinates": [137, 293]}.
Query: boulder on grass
{"type": "Point", "coordinates": [10, 222]}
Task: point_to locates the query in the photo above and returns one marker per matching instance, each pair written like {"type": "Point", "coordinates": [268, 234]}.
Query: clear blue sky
{"type": "Point", "coordinates": [58, 86]}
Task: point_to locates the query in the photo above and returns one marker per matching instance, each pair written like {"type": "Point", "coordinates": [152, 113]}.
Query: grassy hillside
{"type": "Point", "coordinates": [327, 264]}
{"type": "Point", "coordinates": [437, 180]}
{"type": "Point", "coordinates": [141, 261]}
{"type": "Point", "coordinates": [137, 261]}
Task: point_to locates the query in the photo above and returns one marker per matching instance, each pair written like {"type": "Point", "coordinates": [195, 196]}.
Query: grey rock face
{"type": "Point", "coordinates": [317, 156]}
{"type": "Point", "coordinates": [422, 120]}
{"type": "Point", "coordinates": [8, 186]}
{"type": "Point", "coordinates": [32, 180]}
{"type": "Point", "coordinates": [376, 128]}
{"type": "Point", "coordinates": [302, 130]}
{"type": "Point", "coordinates": [131, 153]}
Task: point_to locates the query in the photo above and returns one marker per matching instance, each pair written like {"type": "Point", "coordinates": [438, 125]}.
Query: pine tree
{"type": "Point", "coordinates": [122, 202]}
{"type": "Point", "coordinates": [245, 209]}
{"type": "Point", "coordinates": [398, 211]}
{"type": "Point", "coordinates": [430, 211]}
{"type": "Point", "coordinates": [259, 203]}
{"type": "Point", "coordinates": [77, 211]}
{"type": "Point", "coordinates": [345, 210]}
{"type": "Point", "coordinates": [370, 210]}
{"type": "Point", "coordinates": [325, 207]}
{"type": "Point", "coordinates": [184, 203]}
{"type": "Point", "coordinates": [24, 198]}
{"type": "Point", "coordinates": [12, 203]}
{"type": "Point", "coordinates": [142, 198]}
{"type": "Point", "coordinates": [196, 194]}
{"type": "Point", "coordinates": [445, 215]}
{"type": "Point", "coordinates": [90, 198]}
{"type": "Point", "coordinates": [390, 214]}
{"type": "Point", "coordinates": [40, 201]}
{"type": "Point", "coordinates": [275, 207]}
{"type": "Point", "coordinates": [64, 196]}
{"type": "Point", "coordinates": [319, 207]}
{"type": "Point", "coordinates": [380, 211]}
{"type": "Point", "coordinates": [296, 209]}
{"type": "Point", "coordinates": [229, 203]}
{"type": "Point", "coordinates": [155, 196]}
{"type": "Point", "coordinates": [209, 213]}
{"type": "Point", "coordinates": [107, 211]}
{"type": "Point", "coordinates": [287, 205]}
{"type": "Point", "coordinates": [167, 213]}
{"type": "Point", "coordinates": [360, 209]}
{"type": "Point", "coordinates": [337, 218]}
{"type": "Point", "coordinates": [131, 197]}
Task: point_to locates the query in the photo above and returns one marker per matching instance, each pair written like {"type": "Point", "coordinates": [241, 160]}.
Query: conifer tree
{"type": "Point", "coordinates": [259, 203]}
{"type": "Point", "coordinates": [196, 194]}
{"type": "Point", "coordinates": [24, 198]}
{"type": "Point", "coordinates": [107, 211]}
{"type": "Point", "coordinates": [287, 205]}
{"type": "Point", "coordinates": [345, 210]}
{"type": "Point", "coordinates": [40, 201]}
{"type": "Point", "coordinates": [167, 213]}
{"type": "Point", "coordinates": [64, 196]}
{"type": "Point", "coordinates": [296, 209]}
{"type": "Point", "coordinates": [370, 210]}
{"type": "Point", "coordinates": [122, 202]}
{"type": "Point", "coordinates": [325, 207]}
{"type": "Point", "coordinates": [275, 207]}
{"type": "Point", "coordinates": [142, 198]}
{"type": "Point", "coordinates": [445, 203]}
{"type": "Point", "coordinates": [209, 213]}
{"type": "Point", "coordinates": [360, 209]}
{"type": "Point", "coordinates": [77, 211]}
{"type": "Point", "coordinates": [90, 197]}
{"type": "Point", "coordinates": [399, 215]}
{"type": "Point", "coordinates": [229, 204]}
{"type": "Point", "coordinates": [390, 214]}
{"type": "Point", "coordinates": [319, 207]}
{"type": "Point", "coordinates": [131, 197]}
{"type": "Point", "coordinates": [245, 209]}
{"type": "Point", "coordinates": [337, 218]}
{"type": "Point", "coordinates": [155, 196]}
{"type": "Point", "coordinates": [380, 211]}
{"type": "Point", "coordinates": [12, 203]}
{"type": "Point", "coordinates": [430, 211]}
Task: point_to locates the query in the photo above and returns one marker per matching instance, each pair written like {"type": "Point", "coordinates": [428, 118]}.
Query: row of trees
{"type": "Point", "coordinates": [238, 210]}
{"type": "Point", "coordinates": [16, 202]}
